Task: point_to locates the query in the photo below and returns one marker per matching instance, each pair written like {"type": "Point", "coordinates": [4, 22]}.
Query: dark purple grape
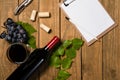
{"type": "Point", "coordinates": [22, 40]}
{"type": "Point", "coordinates": [12, 28]}
{"type": "Point", "coordinates": [10, 32]}
{"type": "Point", "coordinates": [19, 35]}
{"type": "Point", "coordinates": [24, 35]}
{"type": "Point", "coordinates": [8, 27]}
{"type": "Point", "coordinates": [13, 24]}
{"type": "Point", "coordinates": [16, 31]}
{"type": "Point", "coordinates": [3, 35]}
{"type": "Point", "coordinates": [17, 40]}
{"type": "Point", "coordinates": [8, 38]}
{"type": "Point", "coordinates": [22, 31]}
{"type": "Point", "coordinates": [14, 35]}
{"type": "Point", "coordinates": [19, 27]}
{"type": "Point", "coordinates": [13, 40]}
{"type": "Point", "coordinates": [9, 21]}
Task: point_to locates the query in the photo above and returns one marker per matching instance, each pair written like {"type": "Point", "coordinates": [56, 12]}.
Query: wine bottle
{"type": "Point", "coordinates": [36, 58]}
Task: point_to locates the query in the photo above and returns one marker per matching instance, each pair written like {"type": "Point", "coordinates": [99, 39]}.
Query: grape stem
{"type": "Point", "coordinates": [3, 27]}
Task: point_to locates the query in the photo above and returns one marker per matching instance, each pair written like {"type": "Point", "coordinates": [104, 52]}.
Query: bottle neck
{"type": "Point", "coordinates": [52, 43]}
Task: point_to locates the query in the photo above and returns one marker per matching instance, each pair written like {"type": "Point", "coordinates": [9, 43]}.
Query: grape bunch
{"type": "Point", "coordinates": [14, 32]}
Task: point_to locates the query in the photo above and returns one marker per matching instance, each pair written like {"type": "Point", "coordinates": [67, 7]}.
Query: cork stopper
{"type": "Point", "coordinates": [44, 14]}
{"type": "Point", "coordinates": [33, 15]}
{"type": "Point", "coordinates": [45, 28]}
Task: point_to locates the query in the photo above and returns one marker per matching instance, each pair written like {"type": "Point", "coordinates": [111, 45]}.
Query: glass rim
{"type": "Point", "coordinates": [26, 52]}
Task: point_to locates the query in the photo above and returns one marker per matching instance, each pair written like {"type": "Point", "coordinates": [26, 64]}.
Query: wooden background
{"type": "Point", "coordinates": [100, 61]}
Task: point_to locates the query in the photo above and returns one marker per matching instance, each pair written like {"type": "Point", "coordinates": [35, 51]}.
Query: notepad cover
{"type": "Point", "coordinates": [90, 18]}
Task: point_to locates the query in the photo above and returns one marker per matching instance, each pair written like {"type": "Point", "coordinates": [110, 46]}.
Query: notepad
{"type": "Point", "coordinates": [89, 17]}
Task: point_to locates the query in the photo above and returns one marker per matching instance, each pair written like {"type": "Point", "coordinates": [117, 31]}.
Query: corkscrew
{"type": "Point", "coordinates": [67, 2]}
{"type": "Point", "coordinates": [22, 6]}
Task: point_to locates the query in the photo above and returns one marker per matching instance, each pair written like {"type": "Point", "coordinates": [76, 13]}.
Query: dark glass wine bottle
{"type": "Point", "coordinates": [36, 58]}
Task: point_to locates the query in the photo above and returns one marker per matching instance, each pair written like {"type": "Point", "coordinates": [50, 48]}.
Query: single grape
{"type": "Point", "coordinates": [19, 27]}
{"type": "Point", "coordinates": [22, 31]}
{"type": "Point", "coordinates": [14, 35]}
{"type": "Point", "coordinates": [17, 40]}
{"type": "Point", "coordinates": [16, 31]}
{"type": "Point", "coordinates": [10, 32]}
{"type": "Point", "coordinates": [3, 35]}
{"type": "Point", "coordinates": [8, 27]}
{"type": "Point", "coordinates": [12, 28]}
{"type": "Point", "coordinates": [19, 35]}
{"type": "Point", "coordinates": [9, 21]}
{"type": "Point", "coordinates": [8, 38]}
{"type": "Point", "coordinates": [24, 35]}
{"type": "Point", "coordinates": [14, 40]}
{"type": "Point", "coordinates": [22, 40]}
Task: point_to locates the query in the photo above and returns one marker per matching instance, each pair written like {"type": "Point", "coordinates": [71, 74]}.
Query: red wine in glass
{"type": "Point", "coordinates": [17, 53]}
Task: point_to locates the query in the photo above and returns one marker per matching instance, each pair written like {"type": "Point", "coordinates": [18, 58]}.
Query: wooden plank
{"type": "Point", "coordinates": [68, 32]}
{"type": "Point", "coordinates": [25, 17]}
{"type": "Point", "coordinates": [53, 23]}
{"type": "Point", "coordinates": [92, 61]}
{"type": "Point", "coordinates": [111, 46]}
{"type": "Point", "coordinates": [7, 8]}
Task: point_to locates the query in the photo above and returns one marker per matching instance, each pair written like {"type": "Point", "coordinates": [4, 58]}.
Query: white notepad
{"type": "Point", "coordinates": [90, 18]}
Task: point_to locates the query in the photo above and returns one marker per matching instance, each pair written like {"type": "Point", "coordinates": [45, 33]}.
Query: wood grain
{"type": "Point", "coordinates": [92, 61]}
{"type": "Point", "coordinates": [6, 67]}
{"type": "Point", "coordinates": [111, 46]}
{"type": "Point", "coordinates": [25, 17]}
{"type": "Point", "coordinates": [68, 31]}
{"type": "Point", "coordinates": [53, 23]}
{"type": "Point", "coordinates": [100, 61]}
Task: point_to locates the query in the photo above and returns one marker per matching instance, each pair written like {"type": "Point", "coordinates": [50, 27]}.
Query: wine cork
{"type": "Point", "coordinates": [45, 28]}
{"type": "Point", "coordinates": [44, 14]}
{"type": "Point", "coordinates": [33, 15]}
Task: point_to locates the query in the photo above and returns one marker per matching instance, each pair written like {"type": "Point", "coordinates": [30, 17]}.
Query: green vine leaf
{"type": "Point", "coordinates": [32, 42]}
{"type": "Point", "coordinates": [77, 43]}
{"type": "Point", "coordinates": [67, 43]}
{"type": "Point", "coordinates": [61, 51]}
{"type": "Point", "coordinates": [66, 63]}
{"type": "Point", "coordinates": [62, 75]}
{"type": "Point", "coordinates": [70, 53]}
{"type": "Point", "coordinates": [55, 61]}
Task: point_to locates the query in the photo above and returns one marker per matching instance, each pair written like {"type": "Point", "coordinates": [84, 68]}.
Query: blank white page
{"type": "Point", "coordinates": [90, 18]}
